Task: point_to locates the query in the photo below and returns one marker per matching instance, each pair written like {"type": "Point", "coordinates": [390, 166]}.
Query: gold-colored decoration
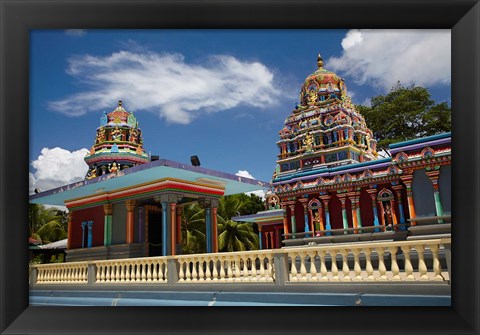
{"type": "Point", "coordinates": [113, 168]}
{"type": "Point", "coordinates": [312, 97]}
{"type": "Point", "coordinates": [320, 62]}
{"type": "Point", "coordinates": [308, 143]}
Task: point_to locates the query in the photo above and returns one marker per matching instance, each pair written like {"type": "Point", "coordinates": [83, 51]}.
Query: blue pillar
{"type": "Point", "coordinates": [260, 239]}
{"type": "Point", "coordinates": [89, 236]}
{"type": "Point", "coordinates": [164, 228]}
{"type": "Point", "coordinates": [307, 228]}
{"type": "Point", "coordinates": [375, 218]}
{"type": "Point", "coordinates": [84, 224]}
{"type": "Point", "coordinates": [208, 230]}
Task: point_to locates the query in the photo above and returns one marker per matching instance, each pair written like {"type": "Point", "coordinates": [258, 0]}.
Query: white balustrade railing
{"type": "Point", "coordinates": [132, 270]}
{"type": "Point", "coordinates": [395, 261]}
{"type": "Point", "coordinates": [62, 273]}
{"type": "Point", "coordinates": [367, 262]}
{"type": "Point", "coordinates": [248, 266]}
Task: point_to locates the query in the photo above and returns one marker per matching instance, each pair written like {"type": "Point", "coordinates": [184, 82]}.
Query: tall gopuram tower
{"type": "Point", "coordinates": [118, 144]}
{"type": "Point", "coordinates": [325, 129]}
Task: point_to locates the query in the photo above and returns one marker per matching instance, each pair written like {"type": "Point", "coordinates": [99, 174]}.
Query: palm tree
{"type": "Point", "coordinates": [46, 225]}
{"type": "Point", "coordinates": [236, 236]}
{"type": "Point", "coordinates": [193, 229]}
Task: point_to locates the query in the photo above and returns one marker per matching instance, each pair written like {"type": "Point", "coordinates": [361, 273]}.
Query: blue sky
{"type": "Point", "coordinates": [220, 94]}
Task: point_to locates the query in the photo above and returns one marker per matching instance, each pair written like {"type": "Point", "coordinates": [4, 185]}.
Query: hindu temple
{"type": "Point", "coordinates": [118, 144]}
{"type": "Point", "coordinates": [129, 204]}
{"type": "Point", "coordinates": [330, 185]}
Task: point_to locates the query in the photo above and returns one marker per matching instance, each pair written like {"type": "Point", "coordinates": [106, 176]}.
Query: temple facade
{"type": "Point", "coordinates": [130, 205]}
{"type": "Point", "coordinates": [330, 185]}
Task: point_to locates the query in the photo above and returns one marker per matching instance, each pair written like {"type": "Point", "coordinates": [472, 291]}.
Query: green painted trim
{"type": "Point", "coordinates": [344, 218]}
{"type": "Point", "coordinates": [438, 204]}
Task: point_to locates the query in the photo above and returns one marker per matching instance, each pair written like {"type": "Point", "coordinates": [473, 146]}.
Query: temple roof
{"type": "Point", "coordinates": [147, 173]}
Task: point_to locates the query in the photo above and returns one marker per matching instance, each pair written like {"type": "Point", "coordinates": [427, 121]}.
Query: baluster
{"type": "Point", "coordinates": [303, 268]}
{"type": "Point", "coordinates": [201, 273]}
{"type": "Point", "coordinates": [164, 271]}
{"type": "Point", "coordinates": [208, 274]}
{"type": "Point", "coordinates": [229, 268]}
{"type": "Point", "coordinates": [154, 271]}
{"type": "Point", "coordinates": [117, 272]}
{"type": "Point", "coordinates": [437, 267]}
{"type": "Point", "coordinates": [313, 268]}
{"type": "Point", "coordinates": [323, 267]}
{"type": "Point", "coordinates": [381, 264]}
{"type": "Point", "coordinates": [144, 270]}
{"type": "Point", "coordinates": [101, 274]}
{"type": "Point", "coordinates": [357, 269]}
{"type": "Point", "coordinates": [215, 268]}
{"type": "Point", "coordinates": [188, 273]}
{"type": "Point", "coordinates": [408, 263]}
{"type": "Point", "coordinates": [345, 268]}
{"type": "Point", "coordinates": [333, 255]}
{"type": "Point", "coordinates": [181, 273]}
{"type": "Point", "coordinates": [222, 268]}
{"type": "Point", "coordinates": [237, 265]}
{"type": "Point", "coordinates": [253, 268]}
{"type": "Point", "coordinates": [148, 270]}
{"type": "Point", "coordinates": [108, 272]}
{"type": "Point", "coordinates": [369, 267]}
{"type": "Point", "coordinates": [261, 259]}
{"type": "Point", "coordinates": [422, 267]}
{"type": "Point", "coordinates": [138, 274]}
{"type": "Point", "coordinates": [293, 271]}
{"type": "Point", "coordinates": [395, 270]}
{"type": "Point", "coordinates": [194, 270]}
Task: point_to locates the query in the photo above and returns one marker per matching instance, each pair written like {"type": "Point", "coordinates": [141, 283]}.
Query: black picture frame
{"type": "Point", "coordinates": [19, 16]}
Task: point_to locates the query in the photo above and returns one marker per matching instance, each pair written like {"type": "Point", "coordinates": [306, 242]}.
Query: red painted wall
{"type": "Point", "coordinates": [94, 214]}
{"type": "Point", "coordinates": [366, 209]}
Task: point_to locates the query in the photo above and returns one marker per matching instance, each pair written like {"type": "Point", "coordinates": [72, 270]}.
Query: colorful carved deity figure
{"type": "Point", "coordinates": [113, 168]}
{"type": "Point", "coordinates": [116, 134]}
{"type": "Point", "coordinates": [100, 136]}
{"type": "Point", "coordinates": [308, 143]}
{"type": "Point", "coordinates": [133, 135]}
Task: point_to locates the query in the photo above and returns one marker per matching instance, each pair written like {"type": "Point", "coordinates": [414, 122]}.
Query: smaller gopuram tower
{"type": "Point", "coordinates": [324, 129]}
{"type": "Point", "coordinates": [118, 144]}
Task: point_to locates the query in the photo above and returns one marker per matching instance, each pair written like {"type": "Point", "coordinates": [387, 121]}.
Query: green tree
{"type": "Point", "coordinates": [405, 113]}
{"type": "Point", "coordinates": [236, 236]}
{"type": "Point", "coordinates": [47, 224]}
{"type": "Point", "coordinates": [193, 229]}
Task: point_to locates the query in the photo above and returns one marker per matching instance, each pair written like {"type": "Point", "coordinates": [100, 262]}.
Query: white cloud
{"type": "Point", "coordinates": [57, 167]}
{"type": "Point", "coordinates": [165, 84]}
{"type": "Point", "coordinates": [383, 57]}
{"type": "Point", "coordinates": [75, 32]}
{"type": "Point", "coordinates": [246, 174]}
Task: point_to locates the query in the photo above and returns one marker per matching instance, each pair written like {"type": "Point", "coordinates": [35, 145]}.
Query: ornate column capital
{"type": "Point", "coordinates": [130, 204]}
{"type": "Point", "coordinates": [108, 209]}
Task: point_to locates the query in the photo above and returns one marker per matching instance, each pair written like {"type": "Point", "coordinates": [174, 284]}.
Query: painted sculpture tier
{"type": "Point", "coordinates": [324, 129]}
{"type": "Point", "coordinates": [118, 144]}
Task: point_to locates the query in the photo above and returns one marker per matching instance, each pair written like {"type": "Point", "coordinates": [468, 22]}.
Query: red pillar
{"type": "Point", "coordinates": [130, 204]}
{"type": "Point", "coordinates": [70, 230]}
{"type": "Point", "coordinates": [214, 229]}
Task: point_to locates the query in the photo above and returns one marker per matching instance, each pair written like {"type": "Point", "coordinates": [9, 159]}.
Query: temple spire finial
{"type": "Point", "coordinates": [119, 103]}
{"type": "Point", "coordinates": [320, 61]}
